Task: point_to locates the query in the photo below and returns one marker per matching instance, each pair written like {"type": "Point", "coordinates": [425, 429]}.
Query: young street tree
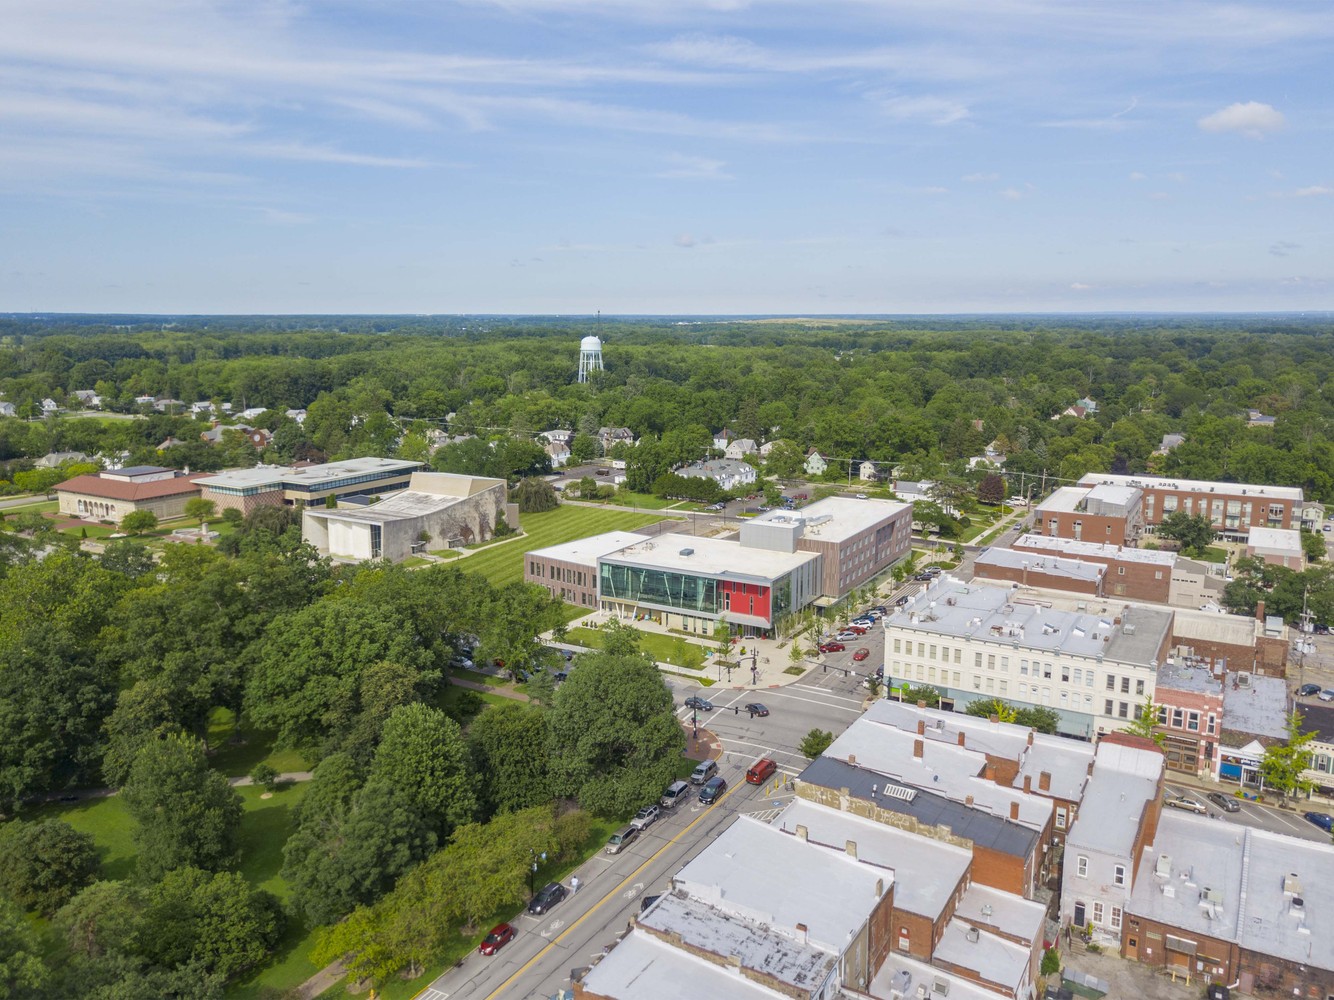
{"type": "Point", "coordinates": [187, 813]}
{"type": "Point", "coordinates": [1284, 763]}
{"type": "Point", "coordinates": [816, 742]}
{"type": "Point", "coordinates": [1146, 718]}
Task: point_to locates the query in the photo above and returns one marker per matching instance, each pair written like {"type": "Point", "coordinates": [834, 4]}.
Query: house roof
{"type": "Point", "coordinates": [642, 967]}
{"type": "Point", "coordinates": [1259, 707]}
{"type": "Point", "coordinates": [116, 489]}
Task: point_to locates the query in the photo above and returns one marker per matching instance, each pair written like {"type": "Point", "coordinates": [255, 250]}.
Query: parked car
{"type": "Point", "coordinates": [547, 897]}
{"type": "Point", "coordinates": [645, 817]}
{"type": "Point", "coordinates": [676, 793]}
{"type": "Point", "coordinates": [901, 601]}
{"type": "Point", "coordinates": [712, 790]}
{"type": "Point", "coordinates": [1323, 820]}
{"type": "Point", "coordinates": [702, 704]}
{"type": "Point", "coordinates": [922, 577]}
{"type": "Point", "coordinates": [622, 837]}
{"type": "Point", "coordinates": [880, 609]}
{"type": "Point", "coordinates": [861, 654]}
{"type": "Point", "coordinates": [1306, 690]}
{"type": "Point", "coordinates": [861, 496]}
{"type": "Point", "coordinates": [1017, 502]}
{"type": "Point", "coordinates": [846, 636]}
{"type": "Point", "coordinates": [1320, 628]}
{"type": "Point", "coordinates": [838, 647]}
{"type": "Point", "coordinates": [755, 708]}
{"type": "Point", "coordinates": [759, 772]}
{"type": "Point", "coordinates": [1326, 695]}
{"type": "Point", "coordinates": [859, 629]}
{"type": "Point", "coordinates": [866, 621]}
{"type": "Point", "coordinates": [501, 935]}
{"type": "Point", "coordinates": [1188, 803]}
{"type": "Point", "coordinates": [1225, 802]}
{"type": "Point", "coordinates": [703, 771]}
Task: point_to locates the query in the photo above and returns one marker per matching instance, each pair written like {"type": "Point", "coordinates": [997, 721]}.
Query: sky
{"type": "Point", "coordinates": [666, 156]}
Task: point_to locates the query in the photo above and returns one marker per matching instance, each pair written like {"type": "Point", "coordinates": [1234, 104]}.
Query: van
{"type": "Point", "coordinates": [625, 835]}
{"type": "Point", "coordinates": [702, 773]}
{"type": "Point", "coordinates": [677, 792]}
{"type": "Point", "coordinates": [758, 772]}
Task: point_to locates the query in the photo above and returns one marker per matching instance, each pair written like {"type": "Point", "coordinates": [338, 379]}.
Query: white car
{"type": "Point", "coordinates": [1017, 502]}
{"type": "Point", "coordinates": [1186, 802]}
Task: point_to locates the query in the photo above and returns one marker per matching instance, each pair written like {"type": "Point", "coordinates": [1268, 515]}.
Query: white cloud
{"type": "Point", "coordinates": [1012, 194]}
{"type": "Point", "coordinates": [1314, 191]}
{"type": "Point", "coordinates": [978, 178]}
{"type": "Point", "coordinates": [1252, 119]}
{"type": "Point", "coordinates": [685, 240]}
{"type": "Point", "coordinates": [1282, 248]}
{"type": "Point", "coordinates": [1135, 175]}
{"type": "Point", "coordinates": [933, 110]}
{"type": "Point", "coordinates": [1079, 286]}
{"type": "Point", "coordinates": [694, 168]}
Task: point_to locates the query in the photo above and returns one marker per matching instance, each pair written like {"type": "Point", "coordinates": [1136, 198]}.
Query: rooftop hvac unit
{"type": "Point", "coordinates": [687, 552]}
{"type": "Point", "coordinates": [1298, 904]}
{"type": "Point", "coordinates": [1163, 866]}
{"type": "Point", "coordinates": [1292, 885]}
{"type": "Point", "coordinates": [974, 934]}
{"type": "Point", "coordinates": [922, 991]}
{"type": "Point", "coordinates": [941, 987]}
{"type": "Point", "coordinates": [986, 909]}
{"type": "Point", "coordinates": [1212, 895]}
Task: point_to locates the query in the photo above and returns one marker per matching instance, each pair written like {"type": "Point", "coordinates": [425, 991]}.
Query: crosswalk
{"type": "Point", "coordinates": [432, 994]}
{"type": "Point", "coordinates": [765, 815]}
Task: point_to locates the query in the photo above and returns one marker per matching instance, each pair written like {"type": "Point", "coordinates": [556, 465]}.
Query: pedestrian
{"type": "Point", "coordinates": [574, 883]}
{"type": "Point", "coordinates": [736, 710]}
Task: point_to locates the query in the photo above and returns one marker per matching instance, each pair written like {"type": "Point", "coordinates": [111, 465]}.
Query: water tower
{"type": "Point", "coordinates": [590, 357]}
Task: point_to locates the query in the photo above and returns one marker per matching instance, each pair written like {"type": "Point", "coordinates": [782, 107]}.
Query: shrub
{"type": "Point", "coordinates": [1051, 962]}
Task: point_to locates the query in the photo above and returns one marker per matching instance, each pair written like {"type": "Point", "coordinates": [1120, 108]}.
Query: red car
{"type": "Point", "coordinates": [859, 629]}
{"type": "Point", "coordinates": [501, 935]}
{"type": "Point", "coordinates": [832, 647]}
{"type": "Point", "coordinates": [861, 654]}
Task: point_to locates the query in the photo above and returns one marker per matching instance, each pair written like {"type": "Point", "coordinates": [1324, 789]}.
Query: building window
{"type": "Point", "coordinates": [1125, 685]}
{"type": "Point", "coordinates": [1111, 682]}
{"type": "Point", "coordinates": [991, 661]}
{"type": "Point", "coordinates": [1123, 710]}
{"type": "Point", "coordinates": [1120, 571]}
{"type": "Point", "coordinates": [957, 654]}
{"type": "Point", "coordinates": [1177, 717]}
{"type": "Point", "coordinates": [1079, 676]}
{"type": "Point", "coordinates": [1082, 866]}
{"type": "Point", "coordinates": [896, 646]}
{"type": "Point", "coordinates": [1116, 918]}
{"type": "Point", "coordinates": [932, 651]}
{"type": "Point", "coordinates": [1023, 668]}
{"type": "Point", "coordinates": [1060, 817]}
{"type": "Point", "coordinates": [1046, 671]}
{"type": "Point", "coordinates": [1119, 875]}
{"type": "Point", "coordinates": [1097, 912]}
{"type": "Point", "coordinates": [1162, 715]}
{"type": "Point", "coordinates": [1004, 686]}
{"type": "Point", "coordinates": [1139, 686]}
{"type": "Point", "coordinates": [977, 660]}
{"type": "Point", "coordinates": [1107, 708]}
{"type": "Point", "coordinates": [1209, 726]}
{"type": "Point", "coordinates": [1193, 722]}
{"type": "Point", "coordinates": [1023, 690]}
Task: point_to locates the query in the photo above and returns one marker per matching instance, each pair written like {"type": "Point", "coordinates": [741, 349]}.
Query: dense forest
{"type": "Point", "coordinates": [921, 394]}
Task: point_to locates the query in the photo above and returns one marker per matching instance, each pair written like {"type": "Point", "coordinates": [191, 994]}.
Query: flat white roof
{"type": "Point", "coordinates": [1254, 875]}
{"type": "Point", "coordinates": [1074, 549]}
{"type": "Point", "coordinates": [1119, 495]}
{"type": "Point", "coordinates": [835, 519]}
{"type": "Point", "coordinates": [995, 959]}
{"type": "Point", "coordinates": [587, 551]}
{"type": "Point", "coordinates": [1002, 911]}
{"type": "Point", "coordinates": [1124, 779]}
{"type": "Point", "coordinates": [1066, 499]}
{"type": "Point", "coordinates": [709, 557]}
{"type": "Point", "coordinates": [1049, 563]}
{"type": "Point", "coordinates": [1192, 485]}
{"type": "Point", "coordinates": [280, 475]}
{"type": "Point", "coordinates": [400, 506]}
{"type": "Point", "coordinates": [832, 894]}
{"type": "Point", "coordinates": [926, 872]}
{"type": "Point", "coordinates": [903, 974]}
{"type": "Point", "coordinates": [1285, 540]}
{"type": "Point", "coordinates": [1257, 708]}
{"type": "Point", "coordinates": [993, 613]}
{"type": "Point", "coordinates": [944, 769]}
{"type": "Point", "coordinates": [641, 967]}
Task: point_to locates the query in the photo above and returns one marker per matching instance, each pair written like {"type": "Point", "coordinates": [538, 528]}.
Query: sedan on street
{"type": "Point", "coordinates": [1326, 695]}
{"type": "Point", "coordinates": [700, 704]}
{"type": "Point", "coordinates": [1188, 803]}
{"type": "Point", "coordinates": [547, 897]}
{"type": "Point", "coordinates": [1323, 820]}
{"type": "Point", "coordinates": [832, 647]}
{"type": "Point", "coordinates": [1306, 690]}
{"type": "Point", "coordinates": [501, 935]}
{"type": "Point", "coordinates": [755, 708]}
{"type": "Point", "coordinates": [847, 636]}
{"type": "Point", "coordinates": [861, 654]}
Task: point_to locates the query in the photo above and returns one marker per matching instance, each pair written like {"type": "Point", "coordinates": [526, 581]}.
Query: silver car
{"type": "Point", "coordinates": [645, 817]}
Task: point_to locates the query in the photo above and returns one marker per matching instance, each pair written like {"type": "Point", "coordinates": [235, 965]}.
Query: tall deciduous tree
{"type": "Point", "coordinates": [1193, 531]}
{"type": "Point", "coordinates": [508, 744]}
{"type": "Point", "coordinates": [613, 737]}
{"type": "Point", "coordinates": [43, 864]}
{"type": "Point", "coordinates": [422, 752]}
{"type": "Point", "coordinates": [187, 813]}
{"type": "Point", "coordinates": [22, 970]}
{"type": "Point", "coordinates": [136, 522]}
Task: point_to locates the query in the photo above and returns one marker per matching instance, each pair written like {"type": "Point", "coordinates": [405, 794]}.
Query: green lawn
{"type": "Point", "coordinates": [502, 563]}
{"type": "Point", "coordinates": [40, 507]}
{"type": "Point", "coordinates": [236, 754]}
{"type": "Point", "coordinates": [664, 648]}
{"type": "Point", "coordinates": [1214, 554]}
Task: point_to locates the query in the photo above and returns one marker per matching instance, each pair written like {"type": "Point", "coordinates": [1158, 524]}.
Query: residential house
{"type": "Point", "coordinates": [169, 442]}
{"type": "Point", "coordinates": [1319, 719]}
{"type": "Point", "coordinates": [202, 407]}
{"type": "Point", "coordinates": [1189, 697]}
{"type": "Point", "coordinates": [767, 447]}
{"type": "Point", "coordinates": [866, 472]}
{"type": "Point", "coordinates": [1255, 716]}
{"type": "Point", "coordinates": [558, 452]}
{"type": "Point", "coordinates": [739, 448]}
{"type": "Point", "coordinates": [7, 409]}
{"type": "Point", "coordinates": [168, 405]}
{"type": "Point", "coordinates": [58, 458]}
{"type": "Point", "coordinates": [50, 407]}
{"type": "Point", "coordinates": [88, 398]}
{"type": "Point", "coordinates": [259, 437]}
{"type": "Point", "coordinates": [815, 463]}
{"type": "Point", "coordinates": [252, 413]}
{"type": "Point", "coordinates": [558, 435]}
{"type": "Point", "coordinates": [299, 415]}
{"type": "Point", "coordinates": [722, 439]}
{"type": "Point", "coordinates": [728, 473]}
{"type": "Point", "coordinates": [608, 437]}
{"type": "Point", "coordinates": [1168, 443]}
{"type": "Point", "coordinates": [1277, 547]}
{"type": "Point", "coordinates": [1254, 418]}
{"type": "Point", "coordinates": [144, 400]}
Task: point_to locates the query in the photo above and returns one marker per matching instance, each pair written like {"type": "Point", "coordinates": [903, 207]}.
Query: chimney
{"type": "Point", "coordinates": [968, 801]}
{"type": "Point", "coordinates": [802, 832]}
{"type": "Point", "coordinates": [1090, 767]}
{"type": "Point", "coordinates": [1044, 781]}
{"type": "Point", "coordinates": [1260, 611]}
{"type": "Point", "coordinates": [961, 739]}
{"type": "Point", "coordinates": [801, 929]}
{"type": "Point", "coordinates": [1028, 783]}
{"type": "Point", "coordinates": [989, 772]}
{"type": "Point", "coordinates": [850, 848]}
{"type": "Point", "coordinates": [917, 748]}
{"type": "Point", "coordinates": [852, 758]}
{"type": "Point", "coordinates": [1030, 737]}
{"type": "Point", "coordinates": [1014, 810]}
{"type": "Point", "coordinates": [993, 719]}
{"type": "Point", "coordinates": [921, 727]}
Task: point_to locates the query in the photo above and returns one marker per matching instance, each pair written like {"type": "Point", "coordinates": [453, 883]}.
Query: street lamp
{"type": "Point", "coordinates": [532, 870]}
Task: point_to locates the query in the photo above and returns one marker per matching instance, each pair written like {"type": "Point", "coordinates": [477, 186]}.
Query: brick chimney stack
{"type": "Point", "coordinates": [1044, 781]}
{"type": "Point", "coordinates": [961, 739]}
{"type": "Point", "coordinates": [921, 727]}
{"type": "Point", "coordinates": [1028, 783]}
{"type": "Point", "coordinates": [1014, 810]}
{"type": "Point", "coordinates": [917, 747]}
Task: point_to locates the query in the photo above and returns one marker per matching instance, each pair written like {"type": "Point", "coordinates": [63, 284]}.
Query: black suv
{"type": "Point", "coordinates": [547, 897]}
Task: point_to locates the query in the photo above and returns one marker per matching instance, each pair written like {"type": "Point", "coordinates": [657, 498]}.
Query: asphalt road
{"type": "Point", "coordinates": [538, 962]}
{"type": "Point", "coordinates": [1252, 814]}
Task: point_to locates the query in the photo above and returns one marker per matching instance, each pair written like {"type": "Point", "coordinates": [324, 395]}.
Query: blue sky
{"type": "Point", "coordinates": [666, 156]}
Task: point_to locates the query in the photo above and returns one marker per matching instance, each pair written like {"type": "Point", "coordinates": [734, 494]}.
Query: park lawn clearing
{"type": "Point", "coordinates": [663, 648]}
{"type": "Point", "coordinates": [251, 747]}
{"type": "Point", "coordinates": [502, 562]}
{"type": "Point", "coordinates": [1214, 554]}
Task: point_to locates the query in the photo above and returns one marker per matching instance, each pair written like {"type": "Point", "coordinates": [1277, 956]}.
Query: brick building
{"type": "Point", "coordinates": [570, 571]}
{"type": "Point", "coordinates": [1131, 573]}
{"type": "Point", "coordinates": [1106, 514]}
{"type": "Point", "coordinates": [1190, 714]}
{"type": "Point", "coordinates": [1232, 508]}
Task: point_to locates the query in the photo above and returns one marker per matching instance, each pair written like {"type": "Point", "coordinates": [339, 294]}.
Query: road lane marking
{"type": "Point", "coordinates": [598, 905]}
